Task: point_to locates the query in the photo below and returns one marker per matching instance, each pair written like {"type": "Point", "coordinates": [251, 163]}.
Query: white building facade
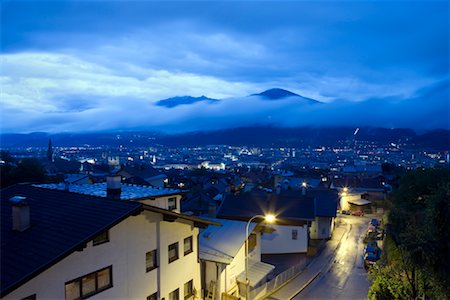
{"type": "Point", "coordinates": [122, 266]}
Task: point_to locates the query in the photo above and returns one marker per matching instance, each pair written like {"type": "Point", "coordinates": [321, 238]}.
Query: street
{"type": "Point", "coordinates": [344, 277]}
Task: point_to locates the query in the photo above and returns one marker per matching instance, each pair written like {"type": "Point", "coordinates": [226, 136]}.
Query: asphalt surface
{"type": "Point", "coordinates": [344, 277]}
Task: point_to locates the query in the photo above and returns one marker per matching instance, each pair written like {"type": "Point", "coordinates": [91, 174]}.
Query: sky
{"type": "Point", "coordinates": [72, 66]}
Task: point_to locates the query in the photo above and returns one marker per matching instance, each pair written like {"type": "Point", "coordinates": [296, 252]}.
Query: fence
{"type": "Point", "coordinates": [279, 280]}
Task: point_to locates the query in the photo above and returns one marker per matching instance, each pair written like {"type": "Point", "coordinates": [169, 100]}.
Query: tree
{"type": "Point", "coordinates": [26, 170]}
{"type": "Point", "coordinates": [419, 240]}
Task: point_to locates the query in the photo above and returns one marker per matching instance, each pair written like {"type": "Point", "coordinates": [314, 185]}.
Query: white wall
{"type": "Point", "coordinates": [129, 241]}
{"type": "Point", "coordinates": [162, 202]}
{"type": "Point", "coordinates": [280, 241]}
{"type": "Point", "coordinates": [175, 274]}
{"type": "Point", "coordinates": [321, 228]}
{"type": "Point", "coordinates": [227, 277]}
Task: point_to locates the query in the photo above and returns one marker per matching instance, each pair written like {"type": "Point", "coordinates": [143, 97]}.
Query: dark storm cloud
{"type": "Point", "coordinates": [65, 60]}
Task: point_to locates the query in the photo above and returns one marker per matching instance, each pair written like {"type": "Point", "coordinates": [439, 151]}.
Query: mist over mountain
{"type": "Point", "coordinates": [426, 109]}
{"type": "Point", "coordinates": [277, 93]}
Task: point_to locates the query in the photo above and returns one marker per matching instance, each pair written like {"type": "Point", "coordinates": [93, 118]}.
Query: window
{"type": "Point", "coordinates": [89, 284]}
{"type": "Point", "coordinates": [172, 203]}
{"type": "Point", "coordinates": [151, 261]}
{"type": "Point", "coordinates": [188, 245]}
{"type": "Point", "coordinates": [188, 289]}
{"type": "Point", "coordinates": [101, 238]}
{"type": "Point", "coordinates": [175, 295]}
{"type": "Point", "coordinates": [173, 252]}
{"type": "Point", "coordinates": [153, 296]}
{"type": "Point", "coordinates": [251, 242]}
{"type": "Point", "coordinates": [294, 234]}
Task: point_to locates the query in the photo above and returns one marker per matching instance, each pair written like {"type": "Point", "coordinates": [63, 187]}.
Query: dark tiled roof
{"type": "Point", "coordinates": [287, 206]}
{"type": "Point", "coordinates": [143, 171]}
{"type": "Point", "coordinates": [355, 182]}
{"type": "Point", "coordinates": [61, 223]}
{"type": "Point", "coordinates": [326, 201]}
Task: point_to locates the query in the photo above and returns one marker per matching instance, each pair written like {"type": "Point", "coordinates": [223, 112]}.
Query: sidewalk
{"type": "Point", "coordinates": [313, 270]}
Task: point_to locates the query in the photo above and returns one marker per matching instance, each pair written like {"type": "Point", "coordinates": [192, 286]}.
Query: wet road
{"type": "Point", "coordinates": [344, 277]}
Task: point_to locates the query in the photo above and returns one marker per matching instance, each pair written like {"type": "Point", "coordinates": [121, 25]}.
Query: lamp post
{"type": "Point", "coordinates": [268, 219]}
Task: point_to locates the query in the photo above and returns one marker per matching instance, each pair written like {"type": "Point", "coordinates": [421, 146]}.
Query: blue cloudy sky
{"type": "Point", "coordinates": [102, 65]}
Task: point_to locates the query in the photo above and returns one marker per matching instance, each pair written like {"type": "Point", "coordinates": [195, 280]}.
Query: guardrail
{"type": "Point", "coordinates": [262, 291]}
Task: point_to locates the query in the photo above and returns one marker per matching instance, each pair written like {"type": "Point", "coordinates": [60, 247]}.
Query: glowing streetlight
{"type": "Point", "coordinates": [269, 218]}
{"type": "Point", "coordinates": [345, 189]}
{"type": "Point", "coordinates": [304, 184]}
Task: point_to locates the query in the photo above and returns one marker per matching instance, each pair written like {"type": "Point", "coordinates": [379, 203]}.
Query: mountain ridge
{"type": "Point", "coordinates": [184, 100]}
{"type": "Point", "coordinates": [240, 136]}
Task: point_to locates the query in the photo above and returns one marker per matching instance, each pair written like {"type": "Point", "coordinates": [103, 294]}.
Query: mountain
{"type": "Point", "coordinates": [183, 100]}
{"type": "Point", "coordinates": [271, 94]}
{"type": "Point", "coordinates": [277, 93]}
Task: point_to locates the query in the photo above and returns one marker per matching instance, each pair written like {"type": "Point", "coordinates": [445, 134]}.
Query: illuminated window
{"type": "Point", "coordinates": [89, 284]}
{"type": "Point", "coordinates": [173, 252]}
{"type": "Point", "coordinates": [188, 245]}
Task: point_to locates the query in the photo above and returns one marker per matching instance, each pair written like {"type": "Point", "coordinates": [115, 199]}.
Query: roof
{"type": "Point", "coordinates": [143, 171]}
{"type": "Point", "coordinates": [326, 201]}
{"type": "Point", "coordinates": [373, 184]}
{"type": "Point", "coordinates": [171, 216]}
{"type": "Point", "coordinates": [221, 244]}
{"type": "Point", "coordinates": [72, 178]}
{"type": "Point", "coordinates": [289, 206]}
{"type": "Point", "coordinates": [256, 273]}
{"type": "Point", "coordinates": [129, 191]}
{"type": "Point", "coordinates": [54, 214]}
{"type": "Point", "coordinates": [359, 202]}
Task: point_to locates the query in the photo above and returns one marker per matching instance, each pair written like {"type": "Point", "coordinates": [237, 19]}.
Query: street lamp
{"type": "Point", "coordinates": [269, 219]}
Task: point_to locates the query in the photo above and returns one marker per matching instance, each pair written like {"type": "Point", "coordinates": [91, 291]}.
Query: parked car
{"type": "Point", "coordinates": [357, 213]}
{"type": "Point", "coordinates": [369, 259]}
{"type": "Point", "coordinates": [374, 222]}
{"type": "Point", "coordinates": [371, 254]}
{"type": "Point", "coordinates": [372, 248]}
{"type": "Point", "coordinates": [371, 236]}
{"type": "Point", "coordinates": [345, 212]}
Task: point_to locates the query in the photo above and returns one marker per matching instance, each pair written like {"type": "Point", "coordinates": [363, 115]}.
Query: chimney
{"type": "Point", "coordinates": [212, 213]}
{"type": "Point", "coordinates": [304, 186]}
{"type": "Point", "coordinates": [66, 186]}
{"type": "Point", "coordinates": [114, 187]}
{"type": "Point", "coordinates": [20, 213]}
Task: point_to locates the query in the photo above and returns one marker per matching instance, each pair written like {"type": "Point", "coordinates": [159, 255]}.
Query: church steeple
{"type": "Point", "coordinates": [50, 150]}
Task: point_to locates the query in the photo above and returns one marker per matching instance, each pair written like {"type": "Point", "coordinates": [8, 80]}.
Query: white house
{"type": "Point", "coordinates": [57, 244]}
{"type": "Point", "coordinates": [294, 213]}
{"type": "Point", "coordinates": [326, 204]}
{"type": "Point", "coordinates": [222, 254]}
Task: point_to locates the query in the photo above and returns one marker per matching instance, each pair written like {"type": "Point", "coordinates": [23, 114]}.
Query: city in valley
{"type": "Point", "coordinates": [315, 218]}
{"type": "Point", "coordinates": [224, 150]}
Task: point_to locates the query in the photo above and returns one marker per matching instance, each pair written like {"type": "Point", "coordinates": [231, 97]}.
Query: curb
{"type": "Point", "coordinates": [267, 296]}
{"type": "Point", "coordinates": [306, 284]}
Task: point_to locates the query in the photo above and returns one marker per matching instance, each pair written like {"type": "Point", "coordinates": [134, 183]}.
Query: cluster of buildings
{"type": "Point", "coordinates": [115, 240]}
{"type": "Point", "coordinates": [175, 223]}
